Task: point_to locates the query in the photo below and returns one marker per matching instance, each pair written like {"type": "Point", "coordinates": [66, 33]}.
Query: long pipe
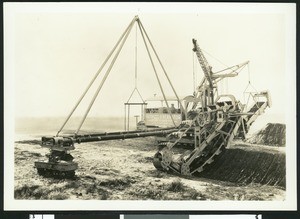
{"type": "Point", "coordinates": [120, 133]}
{"type": "Point", "coordinates": [123, 136]}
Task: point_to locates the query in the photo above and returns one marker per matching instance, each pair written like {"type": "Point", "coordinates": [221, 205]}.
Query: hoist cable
{"type": "Point", "coordinates": [135, 71]}
{"type": "Point", "coordinates": [150, 57]}
{"type": "Point", "coordinates": [135, 89]}
{"type": "Point", "coordinates": [105, 76]}
{"type": "Point", "coordinates": [249, 85]}
{"type": "Point", "coordinates": [249, 81]}
{"type": "Point", "coordinates": [248, 72]}
{"type": "Point", "coordinates": [194, 77]}
{"type": "Point", "coordinates": [131, 95]}
{"type": "Point", "coordinates": [95, 77]}
{"type": "Point", "coordinates": [140, 95]}
{"type": "Point", "coordinates": [219, 61]}
{"type": "Point", "coordinates": [215, 58]}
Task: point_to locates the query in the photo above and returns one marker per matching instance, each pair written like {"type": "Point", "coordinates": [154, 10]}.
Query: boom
{"type": "Point", "coordinates": [208, 90]}
{"type": "Point", "coordinates": [207, 69]}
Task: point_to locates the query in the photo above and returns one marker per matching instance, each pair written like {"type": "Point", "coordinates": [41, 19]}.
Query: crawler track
{"type": "Point", "coordinates": [56, 174]}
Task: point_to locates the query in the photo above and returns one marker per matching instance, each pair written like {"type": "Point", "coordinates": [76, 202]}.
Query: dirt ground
{"type": "Point", "coordinates": [123, 170]}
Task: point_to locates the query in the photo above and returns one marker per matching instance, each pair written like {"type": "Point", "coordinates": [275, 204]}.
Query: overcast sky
{"type": "Point", "coordinates": [54, 50]}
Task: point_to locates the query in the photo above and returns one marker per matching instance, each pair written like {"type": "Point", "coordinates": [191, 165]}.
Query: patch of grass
{"type": "Point", "coordinates": [105, 171]}
{"type": "Point", "coordinates": [91, 188]}
{"type": "Point", "coordinates": [73, 185]}
{"type": "Point", "coordinates": [29, 192]}
{"type": "Point", "coordinates": [161, 192]}
{"type": "Point", "coordinates": [98, 191]}
{"type": "Point", "coordinates": [147, 193]}
{"type": "Point", "coordinates": [157, 173]}
{"type": "Point", "coordinates": [257, 193]}
{"type": "Point", "coordinates": [57, 196]}
{"type": "Point", "coordinates": [119, 183]}
{"type": "Point", "coordinates": [197, 195]}
{"type": "Point", "coordinates": [176, 186]}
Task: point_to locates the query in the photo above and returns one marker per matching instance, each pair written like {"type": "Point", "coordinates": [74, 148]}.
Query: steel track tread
{"type": "Point", "coordinates": [56, 174]}
{"type": "Point", "coordinates": [210, 149]}
{"type": "Point", "coordinates": [209, 160]}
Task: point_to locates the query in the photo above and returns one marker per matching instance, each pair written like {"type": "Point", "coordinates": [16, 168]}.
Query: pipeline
{"type": "Point", "coordinates": [114, 136]}
{"type": "Point", "coordinates": [118, 133]}
{"type": "Point", "coordinates": [64, 141]}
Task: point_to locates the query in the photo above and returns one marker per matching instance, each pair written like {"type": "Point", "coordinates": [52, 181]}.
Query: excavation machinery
{"type": "Point", "coordinates": [209, 121]}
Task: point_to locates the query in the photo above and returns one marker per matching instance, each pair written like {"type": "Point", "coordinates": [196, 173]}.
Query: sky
{"type": "Point", "coordinates": [54, 50]}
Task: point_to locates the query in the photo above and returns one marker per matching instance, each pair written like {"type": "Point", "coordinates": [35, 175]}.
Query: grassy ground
{"type": "Point", "coordinates": [123, 170]}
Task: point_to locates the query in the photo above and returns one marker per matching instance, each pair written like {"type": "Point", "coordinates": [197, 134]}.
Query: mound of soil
{"type": "Point", "coordinates": [272, 134]}
{"type": "Point", "coordinates": [244, 166]}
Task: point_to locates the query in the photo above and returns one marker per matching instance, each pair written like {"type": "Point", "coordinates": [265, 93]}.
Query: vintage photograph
{"type": "Point", "coordinates": [150, 102]}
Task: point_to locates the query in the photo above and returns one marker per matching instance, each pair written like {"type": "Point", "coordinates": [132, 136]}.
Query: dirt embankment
{"type": "Point", "coordinates": [273, 134]}
{"type": "Point", "coordinates": [245, 164]}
